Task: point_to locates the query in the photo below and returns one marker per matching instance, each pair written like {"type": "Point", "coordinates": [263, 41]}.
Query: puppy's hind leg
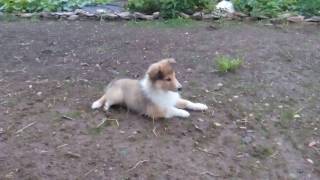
{"type": "Point", "coordinates": [114, 96]}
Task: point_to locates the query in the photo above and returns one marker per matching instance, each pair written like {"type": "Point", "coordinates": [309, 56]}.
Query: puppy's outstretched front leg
{"type": "Point", "coordinates": [175, 112]}
{"type": "Point", "coordinates": [186, 104]}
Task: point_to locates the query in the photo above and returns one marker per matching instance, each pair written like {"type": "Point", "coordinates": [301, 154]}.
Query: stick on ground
{"type": "Point", "coordinates": [22, 129]}
{"type": "Point", "coordinates": [137, 164]}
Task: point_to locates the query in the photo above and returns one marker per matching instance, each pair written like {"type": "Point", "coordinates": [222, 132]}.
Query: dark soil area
{"type": "Point", "coordinates": [262, 123]}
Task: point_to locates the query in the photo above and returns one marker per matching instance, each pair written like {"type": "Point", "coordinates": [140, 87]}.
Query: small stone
{"type": "Point", "coordinates": [310, 161]}
{"type": "Point", "coordinates": [280, 106]}
{"type": "Point", "coordinates": [313, 19]}
{"type": "Point", "coordinates": [73, 17]}
{"type": "Point", "coordinates": [122, 132]}
{"type": "Point", "coordinates": [247, 139]}
{"type": "Point", "coordinates": [125, 15]}
{"type": "Point", "coordinates": [197, 15]}
{"type": "Point", "coordinates": [297, 116]}
{"type": "Point", "coordinates": [26, 15]}
{"type": "Point", "coordinates": [235, 97]}
{"type": "Point", "coordinates": [201, 120]}
{"type": "Point", "coordinates": [39, 93]}
{"type": "Point", "coordinates": [132, 138]}
{"type": "Point", "coordinates": [267, 104]}
{"type": "Point", "coordinates": [296, 19]}
{"type": "Point", "coordinates": [63, 14]}
{"type": "Point", "coordinates": [312, 143]}
{"type": "Point", "coordinates": [293, 176]}
{"type": "Point", "coordinates": [142, 16]}
{"type": "Point", "coordinates": [1, 130]}
{"type": "Point", "coordinates": [9, 175]}
{"type": "Point", "coordinates": [156, 15]}
{"type": "Point", "coordinates": [184, 15]}
{"type": "Point", "coordinates": [226, 6]}
{"type": "Point", "coordinates": [217, 124]}
{"type": "Point", "coordinates": [47, 15]}
{"type": "Point", "coordinates": [30, 86]}
{"type": "Point", "coordinates": [240, 14]}
{"type": "Point", "coordinates": [81, 12]}
{"type": "Point", "coordinates": [210, 16]}
{"type": "Point", "coordinates": [189, 70]}
{"type": "Point", "coordinates": [109, 16]}
{"type": "Point", "coordinates": [219, 84]}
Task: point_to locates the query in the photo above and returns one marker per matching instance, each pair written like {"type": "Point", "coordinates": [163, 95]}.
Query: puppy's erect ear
{"type": "Point", "coordinates": [154, 72]}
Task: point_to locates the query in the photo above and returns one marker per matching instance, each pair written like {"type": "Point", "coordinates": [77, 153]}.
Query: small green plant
{"type": "Point", "coordinates": [286, 118]}
{"type": "Point", "coordinates": [309, 7]}
{"type": "Point", "coordinates": [45, 5]}
{"type": "Point", "coordinates": [145, 6]}
{"type": "Point", "coordinates": [261, 152]}
{"type": "Point", "coordinates": [226, 64]}
{"type": "Point", "coordinates": [264, 8]}
{"type": "Point", "coordinates": [171, 8]}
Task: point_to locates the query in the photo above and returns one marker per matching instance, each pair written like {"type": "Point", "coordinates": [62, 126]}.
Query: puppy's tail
{"type": "Point", "coordinates": [98, 103]}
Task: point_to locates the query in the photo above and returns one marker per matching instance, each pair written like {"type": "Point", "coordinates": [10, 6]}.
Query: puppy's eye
{"type": "Point", "coordinates": [168, 79]}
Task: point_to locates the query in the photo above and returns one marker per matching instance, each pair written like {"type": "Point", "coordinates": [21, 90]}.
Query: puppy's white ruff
{"type": "Point", "coordinates": [164, 99]}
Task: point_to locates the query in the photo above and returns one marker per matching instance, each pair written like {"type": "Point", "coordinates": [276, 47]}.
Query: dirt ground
{"type": "Point", "coordinates": [262, 123]}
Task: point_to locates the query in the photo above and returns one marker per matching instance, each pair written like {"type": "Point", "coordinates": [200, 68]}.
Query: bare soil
{"type": "Point", "coordinates": [263, 123]}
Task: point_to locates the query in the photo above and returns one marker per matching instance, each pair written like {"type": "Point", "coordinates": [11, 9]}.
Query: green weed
{"type": "Point", "coordinates": [286, 117]}
{"type": "Point", "coordinates": [261, 152]}
{"type": "Point", "coordinates": [226, 64]}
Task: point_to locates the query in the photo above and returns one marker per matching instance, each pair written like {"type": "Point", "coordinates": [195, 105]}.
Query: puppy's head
{"type": "Point", "coordinates": [162, 75]}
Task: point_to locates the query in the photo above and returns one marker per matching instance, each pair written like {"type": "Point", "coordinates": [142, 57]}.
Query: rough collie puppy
{"type": "Point", "coordinates": [156, 95]}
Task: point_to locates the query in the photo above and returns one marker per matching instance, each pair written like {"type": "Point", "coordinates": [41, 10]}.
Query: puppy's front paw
{"type": "Point", "coordinates": [200, 107]}
{"type": "Point", "coordinates": [183, 113]}
{"type": "Point", "coordinates": [96, 105]}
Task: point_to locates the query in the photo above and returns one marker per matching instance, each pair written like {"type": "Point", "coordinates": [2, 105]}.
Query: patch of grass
{"type": "Point", "coordinates": [73, 114]}
{"type": "Point", "coordinates": [261, 152]}
{"type": "Point", "coordinates": [170, 23]}
{"type": "Point", "coordinates": [227, 64]}
{"type": "Point", "coordinates": [98, 130]}
{"type": "Point", "coordinates": [286, 117]}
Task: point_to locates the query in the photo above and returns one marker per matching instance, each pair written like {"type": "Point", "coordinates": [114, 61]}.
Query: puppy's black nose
{"type": "Point", "coordinates": [180, 88]}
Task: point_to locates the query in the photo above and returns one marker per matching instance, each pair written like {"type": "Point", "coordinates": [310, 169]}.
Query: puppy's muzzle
{"type": "Point", "coordinates": [179, 87]}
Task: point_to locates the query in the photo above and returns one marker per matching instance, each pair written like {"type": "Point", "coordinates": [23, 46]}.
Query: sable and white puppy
{"type": "Point", "coordinates": [155, 95]}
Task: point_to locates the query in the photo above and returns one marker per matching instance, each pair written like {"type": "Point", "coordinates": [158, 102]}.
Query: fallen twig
{"type": "Point", "coordinates": [107, 119]}
{"type": "Point", "coordinates": [102, 122]}
{"type": "Point", "coordinates": [299, 110]}
{"type": "Point", "coordinates": [206, 151]}
{"type": "Point", "coordinates": [20, 130]}
{"type": "Point", "coordinates": [63, 145]}
{"type": "Point", "coordinates": [67, 117]}
{"type": "Point", "coordinates": [87, 173]}
{"type": "Point", "coordinates": [73, 155]}
{"type": "Point", "coordinates": [154, 131]}
{"type": "Point", "coordinates": [137, 164]}
{"type": "Point", "coordinates": [209, 173]}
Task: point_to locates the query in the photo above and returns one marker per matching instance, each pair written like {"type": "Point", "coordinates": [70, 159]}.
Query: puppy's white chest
{"type": "Point", "coordinates": [164, 99]}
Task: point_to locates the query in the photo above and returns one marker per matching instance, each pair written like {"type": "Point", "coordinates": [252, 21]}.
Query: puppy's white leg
{"type": "Point", "coordinates": [98, 103]}
{"type": "Point", "coordinates": [182, 103]}
{"type": "Point", "coordinates": [171, 112]}
{"type": "Point", "coordinates": [106, 106]}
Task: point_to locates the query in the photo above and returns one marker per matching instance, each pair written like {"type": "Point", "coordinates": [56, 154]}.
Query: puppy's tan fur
{"type": "Point", "coordinates": [155, 95]}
